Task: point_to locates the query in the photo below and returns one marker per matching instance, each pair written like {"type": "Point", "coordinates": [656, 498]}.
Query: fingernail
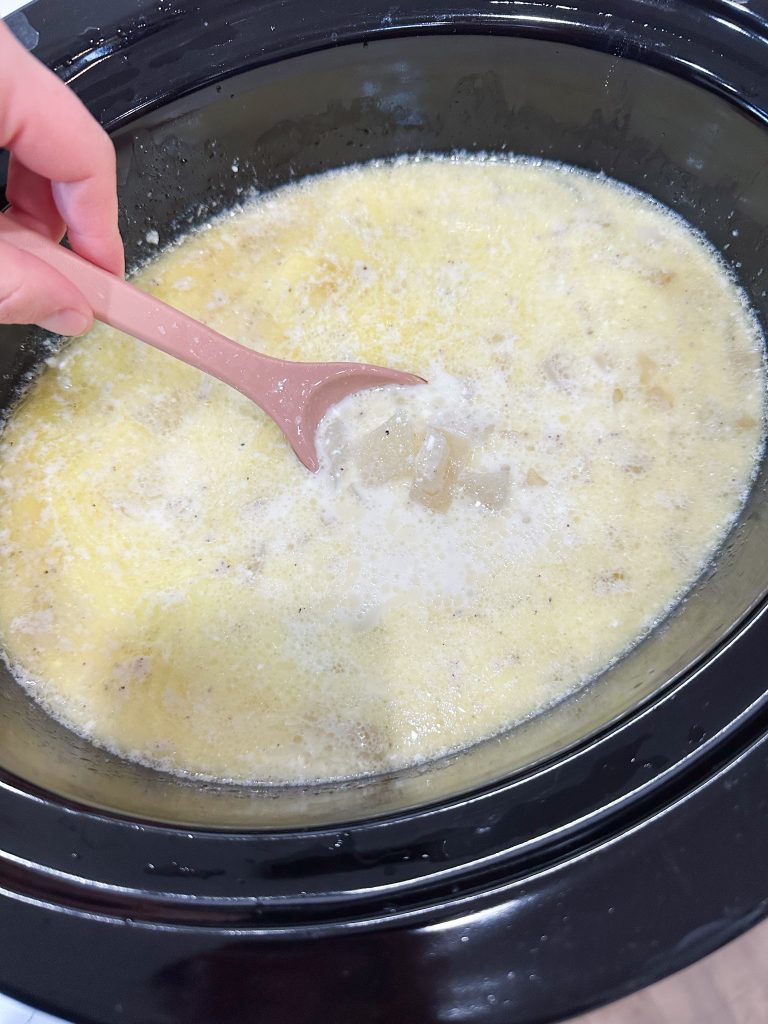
{"type": "Point", "coordinates": [66, 321]}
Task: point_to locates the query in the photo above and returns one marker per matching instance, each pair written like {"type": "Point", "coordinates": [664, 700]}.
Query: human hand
{"type": "Point", "coordinates": [61, 177]}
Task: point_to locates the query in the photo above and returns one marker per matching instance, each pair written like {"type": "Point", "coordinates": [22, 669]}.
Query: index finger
{"type": "Point", "coordinates": [50, 131]}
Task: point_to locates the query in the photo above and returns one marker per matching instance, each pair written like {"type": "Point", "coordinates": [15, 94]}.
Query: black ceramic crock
{"type": "Point", "coordinates": [603, 845]}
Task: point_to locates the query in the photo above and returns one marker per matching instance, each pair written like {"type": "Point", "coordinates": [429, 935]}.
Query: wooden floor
{"type": "Point", "coordinates": [728, 987]}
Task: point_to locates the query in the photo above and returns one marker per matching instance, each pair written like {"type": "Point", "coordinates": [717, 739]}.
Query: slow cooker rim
{"type": "Point", "coordinates": [411, 814]}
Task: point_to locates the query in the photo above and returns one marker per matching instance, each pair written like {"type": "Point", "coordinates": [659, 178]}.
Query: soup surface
{"type": "Point", "coordinates": [180, 589]}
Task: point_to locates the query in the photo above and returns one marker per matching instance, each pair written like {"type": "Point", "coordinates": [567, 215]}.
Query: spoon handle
{"type": "Point", "coordinates": [119, 304]}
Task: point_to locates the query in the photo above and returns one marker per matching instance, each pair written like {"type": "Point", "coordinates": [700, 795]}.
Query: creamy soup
{"type": "Point", "coordinates": [179, 589]}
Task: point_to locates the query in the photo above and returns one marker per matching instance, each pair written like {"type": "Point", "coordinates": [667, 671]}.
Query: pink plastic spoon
{"type": "Point", "coordinates": [295, 395]}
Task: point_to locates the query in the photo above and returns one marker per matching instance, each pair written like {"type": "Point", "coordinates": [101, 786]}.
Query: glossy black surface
{"type": "Point", "coordinates": [524, 888]}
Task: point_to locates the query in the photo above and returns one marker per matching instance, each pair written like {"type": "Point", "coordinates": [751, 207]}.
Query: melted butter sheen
{"type": "Point", "coordinates": [179, 589]}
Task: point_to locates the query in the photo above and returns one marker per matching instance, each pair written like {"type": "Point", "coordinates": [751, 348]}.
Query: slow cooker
{"type": "Point", "coordinates": [606, 843]}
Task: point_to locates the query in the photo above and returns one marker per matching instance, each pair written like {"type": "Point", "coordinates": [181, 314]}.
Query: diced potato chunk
{"type": "Point", "coordinates": [558, 371]}
{"type": "Point", "coordinates": [648, 368]}
{"type": "Point", "coordinates": [489, 489]}
{"type": "Point", "coordinates": [336, 446]}
{"type": "Point", "coordinates": [461, 450]}
{"type": "Point", "coordinates": [660, 398]}
{"type": "Point", "coordinates": [746, 422]}
{"type": "Point", "coordinates": [611, 582]}
{"type": "Point", "coordinates": [749, 360]}
{"type": "Point", "coordinates": [603, 360]}
{"type": "Point", "coordinates": [438, 463]}
{"type": "Point", "coordinates": [386, 453]}
{"type": "Point", "coordinates": [534, 479]}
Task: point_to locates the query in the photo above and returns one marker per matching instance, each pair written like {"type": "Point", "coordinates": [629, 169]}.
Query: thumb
{"type": "Point", "coordinates": [31, 292]}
